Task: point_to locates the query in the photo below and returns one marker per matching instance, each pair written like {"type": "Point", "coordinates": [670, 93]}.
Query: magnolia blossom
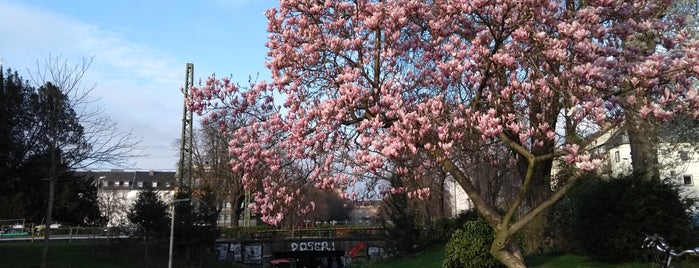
{"type": "Point", "coordinates": [585, 163]}
{"type": "Point", "coordinates": [370, 85]}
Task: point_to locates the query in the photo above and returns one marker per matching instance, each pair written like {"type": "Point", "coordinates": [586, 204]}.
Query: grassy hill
{"type": "Point", "coordinates": [434, 257]}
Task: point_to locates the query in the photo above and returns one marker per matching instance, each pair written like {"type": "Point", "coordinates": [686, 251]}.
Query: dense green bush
{"type": "Point", "coordinates": [441, 230]}
{"type": "Point", "coordinates": [470, 246]}
{"type": "Point", "coordinates": [607, 219]}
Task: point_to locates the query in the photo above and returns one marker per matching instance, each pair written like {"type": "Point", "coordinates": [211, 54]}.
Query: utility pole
{"type": "Point", "coordinates": [172, 228]}
{"type": "Point", "coordinates": [185, 168]}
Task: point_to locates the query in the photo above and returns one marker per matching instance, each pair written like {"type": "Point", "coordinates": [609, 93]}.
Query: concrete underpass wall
{"type": "Point", "coordinates": [302, 250]}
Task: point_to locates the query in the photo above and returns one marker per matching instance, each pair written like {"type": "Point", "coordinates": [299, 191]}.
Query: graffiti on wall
{"type": "Point", "coordinates": [375, 252]}
{"type": "Point", "coordinates": [354, 251]}
{"type": "Point", "coordinates": [221, 252]}
{"type": "Point", "coordinates": [236, 251]}
{"type": "Point", "coordinates": [312, 246]}
{"type": "Point", "coordinates": [253, 253]}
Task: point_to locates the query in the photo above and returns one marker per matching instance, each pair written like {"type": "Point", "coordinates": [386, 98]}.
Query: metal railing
{"type": "Point", "coordinates": [69, 233]}
{"type": "Point", "coordinates": [322, 232]}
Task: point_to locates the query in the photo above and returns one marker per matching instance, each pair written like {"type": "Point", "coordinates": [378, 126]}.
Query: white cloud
{"type": "Point", "coordinates": [138, 86]}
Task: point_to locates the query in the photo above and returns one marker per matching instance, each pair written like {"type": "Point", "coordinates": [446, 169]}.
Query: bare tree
{"type": "Point", "coordinates": [108, 144]}
{"type": "Point", "coordinates": [112, 203]}
{"type": "Point", "coordinates": [212, 166]}
{"type": "Point", "coordinates": [94, 139]}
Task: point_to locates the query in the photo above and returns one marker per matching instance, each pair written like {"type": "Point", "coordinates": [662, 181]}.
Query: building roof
{"type": "Point", "coordinates": [131, 180]}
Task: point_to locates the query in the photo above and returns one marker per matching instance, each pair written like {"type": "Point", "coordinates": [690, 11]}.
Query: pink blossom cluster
{"type": "Point", "coordinates": [371, 83]}
{"type": "Point", "coordinates": [583, 162]}
{"type": "Point", "coordinates": [421, 194]}
{"type": "Point", "coordinates": [277, 202]}
{"type": "Point", "coordinates": [398, 190]}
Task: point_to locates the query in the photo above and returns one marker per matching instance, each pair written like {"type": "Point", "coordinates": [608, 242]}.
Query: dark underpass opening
{"type": "Point", "coordinates": [312, 259]}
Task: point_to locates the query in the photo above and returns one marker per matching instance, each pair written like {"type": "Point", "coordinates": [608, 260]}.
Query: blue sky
{"type": "Point", "coordinates": [140, 50]}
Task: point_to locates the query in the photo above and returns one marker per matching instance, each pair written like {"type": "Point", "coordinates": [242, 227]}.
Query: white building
{"type": "Point", "coordinates": [459, 200]}
{"type": "Point", "coordinates": [117, 190]}
{"type": "Point", "coordinates": [679, 162]}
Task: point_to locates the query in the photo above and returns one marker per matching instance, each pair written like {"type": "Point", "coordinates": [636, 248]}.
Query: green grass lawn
{"type": "Point", "coordinates": [429, 258]}
{"type": "Point", "coordinates": [433, 258]}
{"type": "Point", "coordinates": [89, 255]}
{"type": "Point", "coordinates": [121, 254]}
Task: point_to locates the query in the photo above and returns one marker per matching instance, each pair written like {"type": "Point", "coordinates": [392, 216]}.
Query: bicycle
{"type": "Point", "coordinates": [658, 242]}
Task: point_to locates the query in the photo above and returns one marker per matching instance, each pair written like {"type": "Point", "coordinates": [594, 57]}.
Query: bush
{"type": "Point", "coordinates": [402, 234]}
{"type": "Point", "coordinates": [470, 246]}
{"type": "Point", "coordinates": [441, 231]}
{"type": "Point", "coordinates": [608, 218]}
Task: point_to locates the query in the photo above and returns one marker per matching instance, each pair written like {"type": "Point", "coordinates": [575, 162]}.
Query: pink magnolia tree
{"type": "Point", "coordinates": [383, 82]}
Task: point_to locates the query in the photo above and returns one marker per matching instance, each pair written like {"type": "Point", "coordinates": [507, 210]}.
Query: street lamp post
{"type": "Point", "coordinates": [172, 228]}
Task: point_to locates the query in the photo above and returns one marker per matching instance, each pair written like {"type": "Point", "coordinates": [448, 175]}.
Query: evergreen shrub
{"type": "Point", "coordinates": [607, 219]}
{"type": "Point", "coordinates": [470, 246]}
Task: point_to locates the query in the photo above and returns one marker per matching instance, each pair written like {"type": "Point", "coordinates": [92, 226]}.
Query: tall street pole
{"type": "Point", "coordinates": [172, 228]}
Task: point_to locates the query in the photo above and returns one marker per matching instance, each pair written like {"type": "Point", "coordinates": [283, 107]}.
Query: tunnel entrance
{"type": "Point", "coordinates": [313, 259]}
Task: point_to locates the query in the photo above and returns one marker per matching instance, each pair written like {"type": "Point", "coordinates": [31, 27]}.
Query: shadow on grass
{"type": "Point", "coordinates": [114, 254]}
{"type": "Point", "coordinates": [434, 258]}
{"type": "Point", "coordinates": [558, 260]}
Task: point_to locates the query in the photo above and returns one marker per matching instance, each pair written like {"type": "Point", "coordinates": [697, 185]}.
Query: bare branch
{"type": "Point", "coordinates": [106, 144]}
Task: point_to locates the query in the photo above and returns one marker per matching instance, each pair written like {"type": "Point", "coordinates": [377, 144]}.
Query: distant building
{"type": "Point", "coordinates": [366, 212]}
{"type": "Point", "coordinates": [117, 190]}
{"type": "Point", "coordinates": [458, 198]}
{"type": "Point", "coordinates": [679, 161]}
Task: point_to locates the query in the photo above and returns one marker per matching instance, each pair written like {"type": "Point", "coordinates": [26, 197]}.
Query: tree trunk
{"type": "Point", "coordinates": [643, 134]}
{"type": "Point", "coordinates": [442, 196]}
{"type": "Point", "coordinates": [643, 139]}
{"type": "Point", "coordinates": [535, 232]}
{"type": "Point", "coordinates": [235, 216]}
{"type": "Point", "coordinates": [145, 248]}
{"type": "Point", "coordinates": [505, 250]}
{"type": "Point", "coordinates": [47, 226]}
{"type": "Point", "coordinates": [236, 208]}
{"type": "Point", "coordinates": [539, 191]}
{"type": "Point", "coordinates": [540, 188]}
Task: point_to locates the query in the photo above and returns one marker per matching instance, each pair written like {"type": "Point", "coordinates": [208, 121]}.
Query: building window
{"type": "Point", "coordinates": [684, 156]}
{"type": "Point", "coordinates": [167, 184]}
{"type": "Point", "coordinates": [687, 180]}
{"type": "Point", "coordinates": [155, 184]}
{"type": "Point", "coordinates": [105, 183]}
{"type": "Point", "coordinates": [140, 184]}
{"type": "Point", "coordinates": [126, 183]}
{"type": "Point", "coordinates": [120, 183]}
{"type": "Point", "coordinates": [617, 157]}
